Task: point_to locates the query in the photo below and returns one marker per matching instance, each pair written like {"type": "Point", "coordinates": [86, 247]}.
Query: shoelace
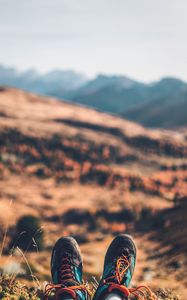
{"type": "Point", "coordinates": [65, 277]}
{"type": "Point", "coordinates": [61, 289]}
{"type": "Point", "coordinates": [141, 292]}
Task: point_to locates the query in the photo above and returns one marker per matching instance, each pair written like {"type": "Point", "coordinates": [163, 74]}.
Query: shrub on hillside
{"type": "Point", "coordinates": [80, 217]}
{"type": "Point", "coordinates": [125, 215]}
{"type": "Point", "coordinates": [28, 234]}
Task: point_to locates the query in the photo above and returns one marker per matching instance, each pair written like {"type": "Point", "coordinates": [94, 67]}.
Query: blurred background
{"type": "Point", "coordinates": [93, 134]}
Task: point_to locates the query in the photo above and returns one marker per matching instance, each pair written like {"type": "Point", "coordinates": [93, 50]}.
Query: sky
{"type": "Point", "coordinates": [142, 39]}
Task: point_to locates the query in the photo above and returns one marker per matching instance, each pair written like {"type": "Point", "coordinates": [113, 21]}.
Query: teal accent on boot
{"type": "Point", "coordinates": [118, 266]}
{"type": "Point", "coordinates": [66, 269]}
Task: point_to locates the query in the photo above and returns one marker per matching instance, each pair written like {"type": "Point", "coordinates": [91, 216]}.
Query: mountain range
{"type": "Point", "coordinates": [158, 104]}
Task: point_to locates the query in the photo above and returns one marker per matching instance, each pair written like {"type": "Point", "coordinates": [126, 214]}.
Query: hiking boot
{"type": "Point", "coordinates": [118, 268]}
{"type": "Point", "coordinates": [66, 271]}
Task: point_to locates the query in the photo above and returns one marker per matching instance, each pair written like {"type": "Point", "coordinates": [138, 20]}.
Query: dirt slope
{"type": "Point", "coordinates": [90, 174]}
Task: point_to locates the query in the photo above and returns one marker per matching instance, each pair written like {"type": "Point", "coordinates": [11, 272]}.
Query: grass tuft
{"type": "Point", "coordinates": [11, 289]}
{"type": "Point", "coordinates": [167, 294]}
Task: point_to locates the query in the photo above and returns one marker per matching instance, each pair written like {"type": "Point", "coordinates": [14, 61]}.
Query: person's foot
{"type": "Point", "coordinates": [66, 271]}
{"type": "Point", "coordinates": [118, 268]}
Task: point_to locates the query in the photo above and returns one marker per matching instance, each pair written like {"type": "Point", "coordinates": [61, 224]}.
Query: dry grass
{"type": "Point", "coordinates": [12, 289]}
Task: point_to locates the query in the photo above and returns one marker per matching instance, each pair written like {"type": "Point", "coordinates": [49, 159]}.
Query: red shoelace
{"type": "Point", "coordinates": [141, 292]}
{"type": "Point", "coordinates": [66, 279]}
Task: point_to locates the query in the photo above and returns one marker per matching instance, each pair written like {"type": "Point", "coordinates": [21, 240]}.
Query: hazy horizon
{"type": "Point", "coordinates": [143, 40]}
{"type": "Point", "coordinates": [87, 76]}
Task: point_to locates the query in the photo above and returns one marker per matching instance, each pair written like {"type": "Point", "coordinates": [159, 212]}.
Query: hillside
{"type": "Point", "coordinates": [119, 94]}
{"type": "Point", "coordinates": [163, 112]}
{"type": "Point", "coordinates": [113, 94]}
{"type": "Point", "coordinates": [92, 175]}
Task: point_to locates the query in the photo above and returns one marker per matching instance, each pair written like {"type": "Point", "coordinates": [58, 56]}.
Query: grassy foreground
{"type": "Point", "coordinates": [12, 289]}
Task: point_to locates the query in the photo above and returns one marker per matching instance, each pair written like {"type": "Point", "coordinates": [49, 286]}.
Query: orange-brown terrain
{"type": "Point", "coordinates": [93, 175]}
